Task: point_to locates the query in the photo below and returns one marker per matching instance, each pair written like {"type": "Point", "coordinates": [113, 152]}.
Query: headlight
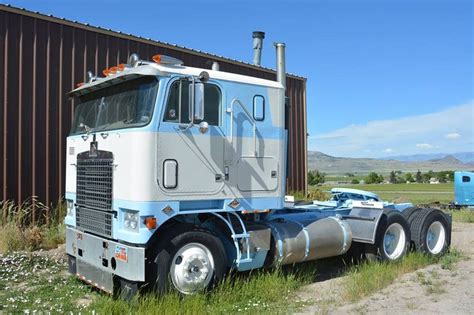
{"type": "Point", "coordinates": [70, 207]}
{"type": "Point", "coordinates": [130, 221]}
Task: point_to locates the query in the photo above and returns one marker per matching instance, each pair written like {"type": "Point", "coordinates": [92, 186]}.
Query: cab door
{"type": "Point", "coordinates": [190, 159]}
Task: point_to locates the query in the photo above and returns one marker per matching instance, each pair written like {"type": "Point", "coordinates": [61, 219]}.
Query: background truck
{"type": "Point", "coordinates": [177, 174]}
{"type": "Point", "coordinates": [463, 189]}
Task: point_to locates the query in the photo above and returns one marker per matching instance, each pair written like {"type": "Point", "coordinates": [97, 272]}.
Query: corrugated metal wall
{"type": "Point", "coordinates": [42, 58]}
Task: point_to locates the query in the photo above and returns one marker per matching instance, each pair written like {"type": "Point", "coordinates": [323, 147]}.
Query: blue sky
{"type": "Point", "coordinates": [385, 77]}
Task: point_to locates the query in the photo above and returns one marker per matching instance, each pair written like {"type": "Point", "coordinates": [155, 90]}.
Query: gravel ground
{"type": "Point", "coordinates": [426, 291]}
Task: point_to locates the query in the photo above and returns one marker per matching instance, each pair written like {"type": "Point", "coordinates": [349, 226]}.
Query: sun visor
{"type": "Point", "coordinates": [126, 75]}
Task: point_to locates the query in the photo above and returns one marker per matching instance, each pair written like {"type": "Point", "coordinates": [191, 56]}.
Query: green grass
{"type": "Point", "coordinates": [415, 193]}
{"type": "Point", "coordinates": [265, 291]}
{"type": "Point", "coordinates": [31, 282]}
{"type": "Point", "coordinates": [449, 260]}
{"type": "Point", "coordinates": [463, 215]}
{"type": "Point", "coordinates": [370, 277]}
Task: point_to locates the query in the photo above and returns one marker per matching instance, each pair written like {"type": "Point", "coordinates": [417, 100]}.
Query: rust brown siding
{"type": "Point", "coordinates": [42, 58]}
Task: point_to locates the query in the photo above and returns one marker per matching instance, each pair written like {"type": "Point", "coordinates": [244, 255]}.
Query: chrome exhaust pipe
{"type": "Point", "coordinates": [257, 47]}
{"type": "Point", "coordinates": [281, 63]}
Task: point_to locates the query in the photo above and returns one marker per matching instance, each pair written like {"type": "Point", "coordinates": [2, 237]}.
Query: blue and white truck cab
{"type": "Point", "coordinates": [176, 174]}
{"type": "Point", "coordinates": [463, 189]}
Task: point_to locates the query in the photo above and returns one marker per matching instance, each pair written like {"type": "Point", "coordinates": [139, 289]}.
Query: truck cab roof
{"type": "Point", "coordinates": [155, 69]}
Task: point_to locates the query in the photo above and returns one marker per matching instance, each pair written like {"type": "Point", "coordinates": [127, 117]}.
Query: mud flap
{"type": "Point", "coordinates": [363, 220]}
{"type": "Point", "coordinates": [125, 289]}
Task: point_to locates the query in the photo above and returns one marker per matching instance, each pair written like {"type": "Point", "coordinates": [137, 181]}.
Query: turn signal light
{"type": "Point", "coordinates": [150, 223]}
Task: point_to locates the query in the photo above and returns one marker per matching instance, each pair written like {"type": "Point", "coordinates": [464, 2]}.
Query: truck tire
{"type": "Point", "coordinates": [431, 232]}
{"type": "Point", "coordinates": [410, 213]}
{"type": "Point", "coordinates": [392, 239]}
{"type": "Point", "coordinates": [191, 261]}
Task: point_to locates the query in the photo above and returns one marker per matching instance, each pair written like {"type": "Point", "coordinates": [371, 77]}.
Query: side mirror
{"type": "Point", "coordinates": [196, 101]}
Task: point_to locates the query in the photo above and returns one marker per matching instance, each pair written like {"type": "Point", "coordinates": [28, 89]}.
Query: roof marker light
{"type": "Point", "coordinates": [106, 72]}
{"type": "Point", "coordinates": [157, 58]}
{"type": "Point", "coordinates": [167, 60]}
{"type": "Point", "coordinates": [113, 70]}
{"type": "Point", "coordinates": [121, 67]}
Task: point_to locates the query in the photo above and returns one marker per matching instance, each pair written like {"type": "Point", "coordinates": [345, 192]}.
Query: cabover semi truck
{"type": "Point", "coordinates": [175, 175]}
{"type": "Point", "coordinates": [463, 190]}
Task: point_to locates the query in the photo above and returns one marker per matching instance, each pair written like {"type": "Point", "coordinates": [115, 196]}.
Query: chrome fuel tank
{"type": "Point", "coordinates": [298, 241]}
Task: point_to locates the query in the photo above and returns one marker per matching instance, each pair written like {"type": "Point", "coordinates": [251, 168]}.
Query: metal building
{"type": "Point", "coordinates": [44, 57]}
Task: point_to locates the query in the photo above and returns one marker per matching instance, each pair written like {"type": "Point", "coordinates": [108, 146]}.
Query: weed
{"type": "Point", "coordinates": [53, 236]}
{"type": "Point", "coordinates": [31, 225]}
{"type": "Point", "coordinates": [31, 212]}
{"type": "Point", "coordinates": [463, 215]}
{"type": "Point", "coordinates": [11, 238]}
{"type": "Point", "coordinates": [449, 260]}
{"type": "Point", "coordinates": [367, 278]}
{"type": "Point", "coordinates": [431, 283]}
{"type": "Point", "coordinates": [435, 288]}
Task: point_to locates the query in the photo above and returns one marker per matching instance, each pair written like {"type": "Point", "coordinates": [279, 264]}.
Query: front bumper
{"type": "Point", "coordinates": [97, 260]}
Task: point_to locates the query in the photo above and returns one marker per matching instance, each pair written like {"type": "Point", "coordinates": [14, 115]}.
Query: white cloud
{"type": "Point", "coordinates": [402, 135]}
{"type": "Point", "coordinates": [388, 150]}
{"type": "Point", "coordinates": [452, 135]}
{"type": "Point", "coordinates": [424, 146]}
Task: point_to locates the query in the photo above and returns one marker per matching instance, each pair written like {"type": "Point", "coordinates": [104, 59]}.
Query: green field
{"type": "Point", "coordinates": [415, 193]}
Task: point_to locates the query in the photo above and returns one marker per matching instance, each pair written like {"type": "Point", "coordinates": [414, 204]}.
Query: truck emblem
{"type": "Point", "coordinates": [93, 149]}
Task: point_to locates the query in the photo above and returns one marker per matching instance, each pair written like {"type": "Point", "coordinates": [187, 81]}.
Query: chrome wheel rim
{"type": "Point", "coordinates": [394, 241]}
{"type": "Point", "coordinates": [192, 268]}
{"type": "Point", "coordinates": [435, 237]}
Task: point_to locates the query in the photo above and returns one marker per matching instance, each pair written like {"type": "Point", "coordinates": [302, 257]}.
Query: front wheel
{"type": "Point", "coordinates": [190, 262]}
{"type": "Point", "coordinates": [392, 239]}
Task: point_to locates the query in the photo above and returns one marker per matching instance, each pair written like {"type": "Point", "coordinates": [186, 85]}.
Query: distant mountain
{"type": "Point", "coordinates": [340, 165]}
{"type": "Point", "coordinates": [464, 157]}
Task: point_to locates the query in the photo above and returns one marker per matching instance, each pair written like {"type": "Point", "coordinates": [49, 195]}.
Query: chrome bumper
{"type": "Point", "coordinates": [96, 260]}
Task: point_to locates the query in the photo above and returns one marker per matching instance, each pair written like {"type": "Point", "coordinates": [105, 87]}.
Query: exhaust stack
{"type": "Point", "coordinates": [257, 47]}
{"type": "Point", "coordinates": [280, 63]}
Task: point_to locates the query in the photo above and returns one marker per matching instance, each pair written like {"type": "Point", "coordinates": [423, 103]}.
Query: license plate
{"type": "Point", "coordinates": [121, 253]}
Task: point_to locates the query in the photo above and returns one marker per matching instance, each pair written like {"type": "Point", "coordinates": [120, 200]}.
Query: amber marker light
{"type": "Point", "coordinates": [113, 70]}
{"type": "Point", "coordinates": [121, 67]}
{"type": "Point", "coordinates": [157, 58]}
{"type": "Point", "coordinates": [80, 84]}
{"type": "Point", "coordinates": [150, 223]}
{"type": "Point", "coordinates": [106, 72]}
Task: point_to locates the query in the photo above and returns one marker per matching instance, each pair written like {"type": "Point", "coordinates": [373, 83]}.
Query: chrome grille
{"type": "Point", "coordinates": [94, 181]}
{"type": "Point", "coordinates": [94, 221]}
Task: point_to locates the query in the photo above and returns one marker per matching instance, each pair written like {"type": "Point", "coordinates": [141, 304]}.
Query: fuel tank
{"type": "Point", "coordinates": [297, 241]}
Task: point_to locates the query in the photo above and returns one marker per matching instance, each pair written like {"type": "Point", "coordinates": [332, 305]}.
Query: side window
{"type": "Point", "coordinates": [258, 107]}
{"type": "Point", "coordinates": [180, 90]}
{"type": "Point", "coordinates": [466, 179]}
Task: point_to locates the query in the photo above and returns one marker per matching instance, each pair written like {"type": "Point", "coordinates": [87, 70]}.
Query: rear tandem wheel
{"type": "Point", "coordinates": [392, 239]}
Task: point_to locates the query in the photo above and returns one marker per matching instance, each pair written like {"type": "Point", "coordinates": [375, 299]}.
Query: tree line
{"type": "Point", "coordinates": [396, 177]}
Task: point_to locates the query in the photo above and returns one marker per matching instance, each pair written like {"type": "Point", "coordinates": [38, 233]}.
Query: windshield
{"type": "Point", "coordinates": [125, 105]}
